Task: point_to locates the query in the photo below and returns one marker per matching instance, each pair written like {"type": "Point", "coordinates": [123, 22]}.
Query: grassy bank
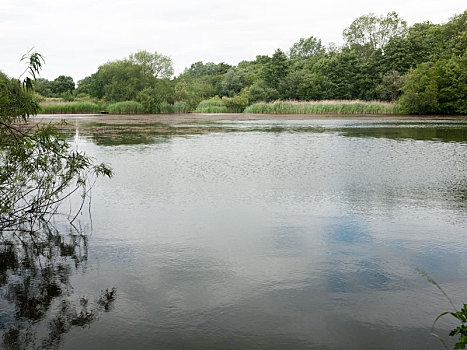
{"type": "Point", "coordinates": [324, 107]}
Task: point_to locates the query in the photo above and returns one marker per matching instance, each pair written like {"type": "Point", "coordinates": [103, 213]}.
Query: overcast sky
{"type": "Point", "coordinates": [75, 37]}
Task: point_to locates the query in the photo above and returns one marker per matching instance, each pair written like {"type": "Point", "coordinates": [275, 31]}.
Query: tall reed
{"type": "Point", "coordinates": [126, 107]}
{"type": "Point", "coordinates": [213, 105]}
{"type": "Point", "coordinates": [181, 107]}
{"type": "Point", "coordinates": [324, 107]}
{"type": "Point", "coordinates": [70, 108]}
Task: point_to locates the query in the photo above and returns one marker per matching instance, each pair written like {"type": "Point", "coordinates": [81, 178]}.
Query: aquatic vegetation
{"type": "Point", "coordinates": [181, 107]}
{"type": "Point", "coordinates": [74, 107]}
{"type": "Point", "coordinates": [324, 107]}
{"type": "Point", "coordinates": [125, 107]}
{"type": "Point", "coordinates": [213, 105]}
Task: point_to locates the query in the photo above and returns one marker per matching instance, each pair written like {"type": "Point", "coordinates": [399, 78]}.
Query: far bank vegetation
{"type": "Point", "coordinates": [384, 67]}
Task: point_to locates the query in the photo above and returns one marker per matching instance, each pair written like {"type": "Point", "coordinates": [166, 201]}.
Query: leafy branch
{"type": "Point", "coordinates": [459, 315]}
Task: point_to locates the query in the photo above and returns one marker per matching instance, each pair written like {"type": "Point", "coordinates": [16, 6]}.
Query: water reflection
{"type": "Point", "coordinates": [128, 138]}
{"type": "Point", "coordinates": [36, 298]}
{"type": "Point", "coordinates": [445, 131]}
{"type": "Point", "coordinates": [133, 134]}
{"type": "Point", "coordinates": [278, 235]}
{"type": "Point", "coordinates": [347, 230]}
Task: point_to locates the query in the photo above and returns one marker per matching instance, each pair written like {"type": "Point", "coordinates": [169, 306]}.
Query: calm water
{"type": "Point", "coordinates": [278, 235]}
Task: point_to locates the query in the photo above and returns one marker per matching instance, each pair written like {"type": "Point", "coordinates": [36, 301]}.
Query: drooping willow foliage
{"type": "Point", "coordinates": [38, 168]}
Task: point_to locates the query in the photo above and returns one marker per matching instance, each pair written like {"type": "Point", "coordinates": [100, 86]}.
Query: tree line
{"type": "Point", "coordinates": [422, 67]}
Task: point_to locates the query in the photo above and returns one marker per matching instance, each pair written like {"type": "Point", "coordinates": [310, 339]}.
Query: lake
{"type": "Point", "coordinates": [261, 234]}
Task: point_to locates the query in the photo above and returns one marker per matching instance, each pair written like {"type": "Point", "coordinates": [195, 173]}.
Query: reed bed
{"type": "Point", "coordinates": [163, 107]}
{"type": "Point", "coordinates": [71, 108]}
{"type": "Point", "coordinates": [167, 108]}
{"type": "Point", "coordinates": [181, 107]}
{"type": "Point", "coordinates": [217, 105]}
{"type": "Point", "coordinates": [324, 107]}
{"type": "Point", "coordinates": [127, 107]}
{"type": "Point", "coordinates": [211, 106]}
{"type": "Point", "coordinates": [130, 107]}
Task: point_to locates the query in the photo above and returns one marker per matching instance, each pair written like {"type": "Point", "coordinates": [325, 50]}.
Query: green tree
{"type": "Point", "coordinates": [200, 69]}
{"type": "Point", "coordinates": [372, 32]}
{"type": "Point", "coordinates": [451, 79]}
{"type": "Point", "coordinates": [154, 64]}
{"type": "Point", "coordinates": [152, 97]}
{"type": "Point", "coordinates": [300, 85]}
{"type": "Point", "coordinates": [122, 80]}
{"type": "Point", "coordinates": [193, 91]}
{"type": "Point", "coordinates": [44, 87]}
{"type": "Point", "coordinates": [260, 91]}
{"type": "Point", "coordinates": [275, 69]}
{"type": "Point", "coordinates": [437, 88]}
{"type": "Point", "coordinates": [91, 85]}
{"type": "Point", "coordinates": [305, 48]}
{"type": "Point", "coordinates": [420, 91]}
{"type": "Point", "coordinates": [337, 75]}
{"type": "Point", "coordinates": [234, 81]}
{"type": "Point", "coordinates": [62, 84]}
{"type": "Point", "coordinates": [421, 44]}
{"type": "Point", "coordinates": [390, 88]}
{"type": "Point", "coordinates": [455, 34]}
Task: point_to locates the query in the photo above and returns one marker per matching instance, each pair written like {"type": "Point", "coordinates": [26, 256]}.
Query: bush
{"type": "Point", "coordinates": [437, 88]}
{"type": "Point", "coordinates": [237, 103]}
{"type": "Point", "coordinates": [225, 104]}
{"type": "Point", "coordinates": [420, 91]}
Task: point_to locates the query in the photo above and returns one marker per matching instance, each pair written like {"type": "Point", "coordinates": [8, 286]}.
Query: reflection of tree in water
{"type": "Point", "coordinates": [35, 275]}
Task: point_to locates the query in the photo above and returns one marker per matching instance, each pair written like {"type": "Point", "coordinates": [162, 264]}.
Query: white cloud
{"type": "Point", "coordinates": [78, 36]}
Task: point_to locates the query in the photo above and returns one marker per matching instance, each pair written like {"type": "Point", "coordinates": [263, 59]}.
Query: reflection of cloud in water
{"type": "Point", "coordinates": [348, 240]}
{"type": "Point", "coordinates": [347, 230]}
{"type": "Point", "coordinates": [284, 240]}
{"type": "Point", "coordinates": [441, 265]}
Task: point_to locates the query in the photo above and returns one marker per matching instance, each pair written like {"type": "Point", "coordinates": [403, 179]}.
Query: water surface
{"type": "Point", "coordinates": [276, 234]}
